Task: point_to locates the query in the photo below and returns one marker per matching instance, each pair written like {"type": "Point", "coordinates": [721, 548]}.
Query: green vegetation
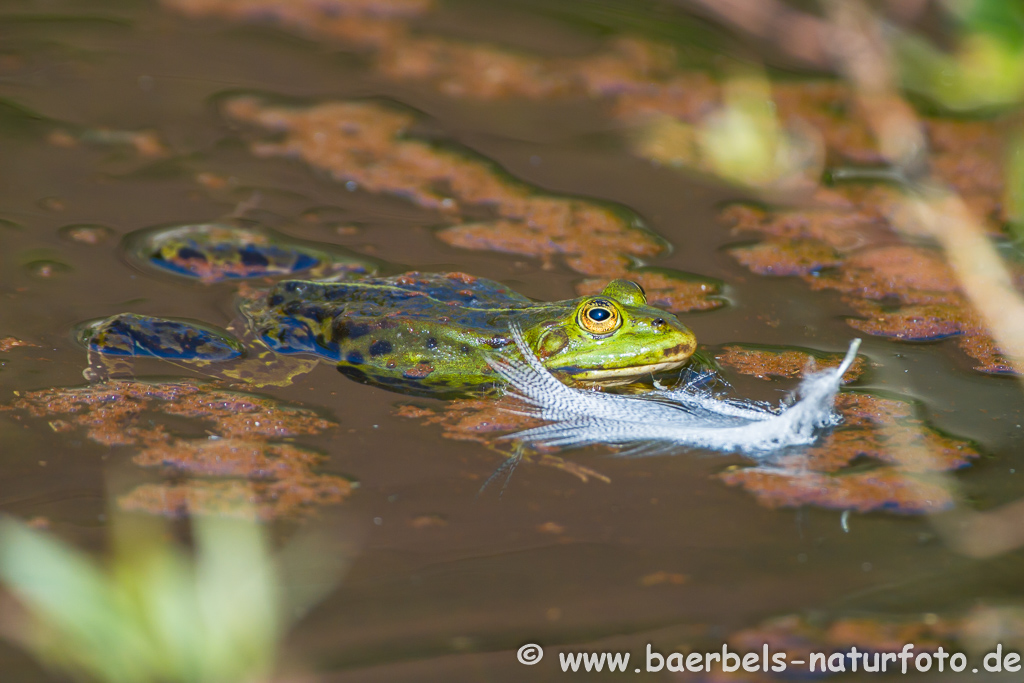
{"type": "Point", "coordinates": [152, 613]}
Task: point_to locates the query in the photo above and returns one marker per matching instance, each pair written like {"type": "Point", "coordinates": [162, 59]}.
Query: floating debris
{"type": "Point", "coordinates": [86, 233]}
{"type": "Point", "coordinates": [47, 268]}
{"type": "Point", "coordinates": [145, 143]}
{"type": "Point", "coordinates": [660, 421]}
{"type": "Point", "coordinates": [8, 343]}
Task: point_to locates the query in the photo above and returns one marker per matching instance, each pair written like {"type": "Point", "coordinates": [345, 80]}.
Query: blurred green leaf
{"type": "Point", "coordinates": [985, 68]}
{"type": "Point", "coordinates": [1015, 185]}
{"type": "Point", "coordinates": [155, 614]}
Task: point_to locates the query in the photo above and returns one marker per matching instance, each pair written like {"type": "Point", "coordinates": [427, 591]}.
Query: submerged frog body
{"type": "Point", "coordinates": [129, 334]}
{"type": "Point", "coordinates": [425, 334]}
{"type": "Point", "coordinates": [433, 333]}
{"type": "Point", "coordinates": [215, 252]}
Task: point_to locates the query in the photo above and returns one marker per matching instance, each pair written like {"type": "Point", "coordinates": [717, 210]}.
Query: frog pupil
{"type": "Point", "coordinates": [599, 314]}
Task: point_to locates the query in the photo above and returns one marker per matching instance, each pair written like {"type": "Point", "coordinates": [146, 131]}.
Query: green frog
{"type": "Point", "coordinates": [417, 333]}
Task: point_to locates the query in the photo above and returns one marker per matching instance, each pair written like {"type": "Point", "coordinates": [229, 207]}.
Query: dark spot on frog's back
{"type": "Point", "coordinates": [188, 253]}
{"type": "Point", "coordinates": [251, 256]}
{"type": "Point", "coordinates": [345, 329]}
{"type": "Point", "coordinates": [380, 347]}
{"type": "Point", "coordinates": [354, 358]}
{"type": "Point", "coordinates": [497, 342]}
{"type": "Point", "coordinates": [431, 343]}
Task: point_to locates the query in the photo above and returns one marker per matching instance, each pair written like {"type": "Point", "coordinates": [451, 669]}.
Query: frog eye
{"type": "Point", "coordinates": [599, 317]}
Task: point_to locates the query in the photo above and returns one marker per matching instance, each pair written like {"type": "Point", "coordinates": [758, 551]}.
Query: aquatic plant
{"type": "Point", "coordinates": [154, 614]}
{"type": "Point", "coordinates": [662, 420]}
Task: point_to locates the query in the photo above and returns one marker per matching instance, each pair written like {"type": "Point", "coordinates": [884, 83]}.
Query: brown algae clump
{"type": "Point", "coordinates": [843, 218]}
{"type": "Point", "coordinates": [844, 638]}
{"type": "Point", "coordinates": [847, 243]}
{"type": "Point", "coordinates": [881, 457]}
{"type": "Point", "coordinates": [271, 479]}
{"type": "Point", "coordinates": [365, 143]}
{"type": "Point", "coordinates": [237, 467]}
{"type": "Point", "coordinates": [108, 412]}
{"type": "Point", "coordinates": [765, 362]}
{"type": "Point", "coordinates": [777, 257]}
{"type": "Point", "coordinates": [232, 498]}
{"type": "Point", "coordinates": [454, 67]}
{"type": "Point", "coordinates": [485, 72]}
{"type": "Point", "coordinates": [800, 636]}
{"type": "Point", "coordinates": [366, 24]}
{"type": "Point", "coordinates": [480, 420]}
{"type": "Point", "coordinates": [486, 421]}
{"type": "Point", "coordinates": [883, 489]}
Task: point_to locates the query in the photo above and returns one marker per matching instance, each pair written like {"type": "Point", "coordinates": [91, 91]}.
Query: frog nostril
{"type": "Point", "coordinates": [658, 322]}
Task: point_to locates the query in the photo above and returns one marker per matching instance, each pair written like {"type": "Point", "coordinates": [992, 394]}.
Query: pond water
{"type": "Point", "coordinates": [117, 116]}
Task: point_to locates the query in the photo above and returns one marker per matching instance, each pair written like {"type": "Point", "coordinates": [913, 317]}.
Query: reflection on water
{"type": "Point", "coordinates": [496, 141]}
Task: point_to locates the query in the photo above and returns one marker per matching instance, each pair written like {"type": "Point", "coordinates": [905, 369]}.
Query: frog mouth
{"type": "Point", "coordinates": [671, 358]}
{"type": "Point", "coordinates": [627, 374]}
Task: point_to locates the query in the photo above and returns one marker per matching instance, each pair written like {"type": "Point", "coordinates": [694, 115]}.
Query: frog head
{"type": "Point", "coordinates": [612, 337]}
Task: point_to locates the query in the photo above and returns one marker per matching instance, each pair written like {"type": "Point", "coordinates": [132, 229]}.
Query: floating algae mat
{"type": "Point", "coordinates": [166, 165]}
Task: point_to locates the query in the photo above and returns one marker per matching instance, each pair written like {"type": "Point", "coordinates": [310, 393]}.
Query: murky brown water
{"type": "Point", "coordinates": [448, 581]}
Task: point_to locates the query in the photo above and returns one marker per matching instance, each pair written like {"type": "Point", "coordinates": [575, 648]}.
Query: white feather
{"type": "Point", "coordinates": [660, 420]}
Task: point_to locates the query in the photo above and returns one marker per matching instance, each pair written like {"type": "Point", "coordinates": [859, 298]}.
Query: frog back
{"type": "Point", "coordinates": [427, 334]}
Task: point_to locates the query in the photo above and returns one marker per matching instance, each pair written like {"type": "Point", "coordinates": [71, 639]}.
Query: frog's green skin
{"type": "Point", "coordinates": [431, 334]}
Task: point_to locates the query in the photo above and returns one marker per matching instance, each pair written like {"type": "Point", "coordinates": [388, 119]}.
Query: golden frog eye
{"type": "Point", "coordinates": [599, 317]}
